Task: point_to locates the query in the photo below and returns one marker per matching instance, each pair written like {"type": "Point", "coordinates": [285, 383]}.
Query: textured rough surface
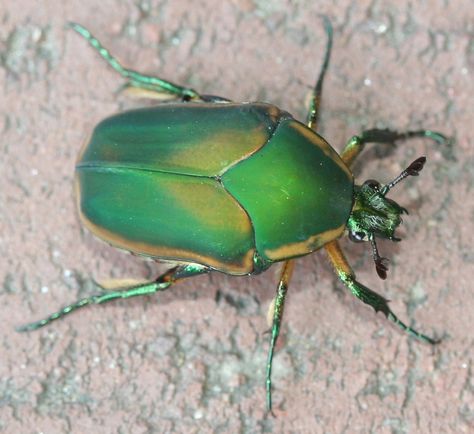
{"type": "Point", "coordinates": [192, 359]}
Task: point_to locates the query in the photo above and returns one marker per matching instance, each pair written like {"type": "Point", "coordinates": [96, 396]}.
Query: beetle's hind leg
{"type": "Point", "coordinates": [365, 294]}
{"type": "Point", "coordinates": [278, 306]}
{"type": "Point", "coordinates": [356, 144]}
{"type": "Point", "coordinates": [150, 84]}
{"type": "Point", "coordinates": [160, 284]}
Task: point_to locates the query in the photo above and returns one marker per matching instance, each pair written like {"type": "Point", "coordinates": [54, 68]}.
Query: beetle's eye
{"type": "Point", "coordinates": [372, 183]}
{"type": "Point", "coordinates": [357, 237]}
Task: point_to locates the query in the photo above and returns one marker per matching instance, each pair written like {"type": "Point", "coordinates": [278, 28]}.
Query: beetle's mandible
{"type": "Point", "coordinates": [214, 185]}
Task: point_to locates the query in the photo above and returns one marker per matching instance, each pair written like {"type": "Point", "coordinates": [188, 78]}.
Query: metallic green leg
{"type": "Point", "coordinates": [380, 304]}
{"type": "Point", "coordinates": [288, 266]}
{"type": "Point", "coordinates": [285, 277]}
{"type": "Point", "coordinates": [356, 144]}
{"type": "Point", "coordinates": [160, 284]}
{"type": "Point", "coordinates": [365, 294]}
{"type": "Point", "coordinates": [134, 78]}
{"type": "Point", "coordinates": [313, 114]}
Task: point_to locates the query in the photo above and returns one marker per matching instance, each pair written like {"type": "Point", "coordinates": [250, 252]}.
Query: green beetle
{"type": "Point", "coordinates": [233, 187]}
{"type": "Point", "coordinates": [209, 184]}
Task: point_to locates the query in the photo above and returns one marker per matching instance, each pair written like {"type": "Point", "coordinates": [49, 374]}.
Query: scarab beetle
{"type": "Point", "coordinates": [213, 185]}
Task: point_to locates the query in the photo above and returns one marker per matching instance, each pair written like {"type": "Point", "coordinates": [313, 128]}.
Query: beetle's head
{"type": "Point", "coordinates": [374, 215]}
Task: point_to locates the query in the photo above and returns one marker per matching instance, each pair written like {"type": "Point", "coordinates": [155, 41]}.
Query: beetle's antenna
{"type": "Point", "coordinates": [413, 169]}
{"type": "Point", "coordinates": [380, 263]}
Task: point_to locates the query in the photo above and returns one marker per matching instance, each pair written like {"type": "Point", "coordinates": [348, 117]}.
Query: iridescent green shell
{"type": "Point", "coordinates": [214, 184]}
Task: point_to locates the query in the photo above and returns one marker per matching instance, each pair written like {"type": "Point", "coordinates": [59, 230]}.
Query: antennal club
{"type": "Point", "coordinates": [413, 169]}
{"type": "Point", "coordinates": [380, 263]}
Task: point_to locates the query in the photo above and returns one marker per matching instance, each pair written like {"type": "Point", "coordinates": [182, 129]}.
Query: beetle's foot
{"type": "Point", "coordinates": [30, 327]}
{"type": "Point", "coordinates": [270, 412]}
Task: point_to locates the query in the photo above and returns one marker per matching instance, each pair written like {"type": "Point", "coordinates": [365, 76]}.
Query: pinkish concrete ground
{"type": "Point", "coordinates": [192, 360]}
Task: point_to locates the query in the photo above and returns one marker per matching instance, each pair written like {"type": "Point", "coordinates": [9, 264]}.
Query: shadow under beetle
{"type": "Point", "coordinates": [214, 185]}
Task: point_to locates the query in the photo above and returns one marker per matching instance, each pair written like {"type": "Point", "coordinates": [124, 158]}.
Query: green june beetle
{"type": "Point", "coordinates": [213, 185]}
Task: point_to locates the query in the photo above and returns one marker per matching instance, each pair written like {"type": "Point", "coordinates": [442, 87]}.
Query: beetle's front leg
{"type": "Point", "coordinates": [278, 306]}
{"type": "Point", "coordinates": [356, 144]}
{"type": "Point", "coordinates": [160, 284]}
{"type": "Point", "coordinates": [365, 294]}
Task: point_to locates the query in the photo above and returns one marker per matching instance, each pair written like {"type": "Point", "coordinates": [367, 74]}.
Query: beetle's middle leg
{"type": "Point", "coordinates": [279, 303]}
{"type": "Point", "coordinates": [147, 83]}
{"type": "Point", "coordinates": [160, 284]}
{"type": "Point", "coordinates": [356, 144]}
{"type": "Point", "coordinates": [313, 114]}
{"type": "Point", "coordinates": [365, 294]}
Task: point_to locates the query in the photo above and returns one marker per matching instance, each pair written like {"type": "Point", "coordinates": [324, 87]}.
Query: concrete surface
{"type": "Point", "coordinates": [192, 360]}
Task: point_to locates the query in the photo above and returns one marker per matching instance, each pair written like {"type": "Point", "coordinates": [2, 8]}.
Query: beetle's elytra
{"type": "Point", "coordinates": [207, 185]}
{"type": "Point", "coordinates": [214, 185]}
